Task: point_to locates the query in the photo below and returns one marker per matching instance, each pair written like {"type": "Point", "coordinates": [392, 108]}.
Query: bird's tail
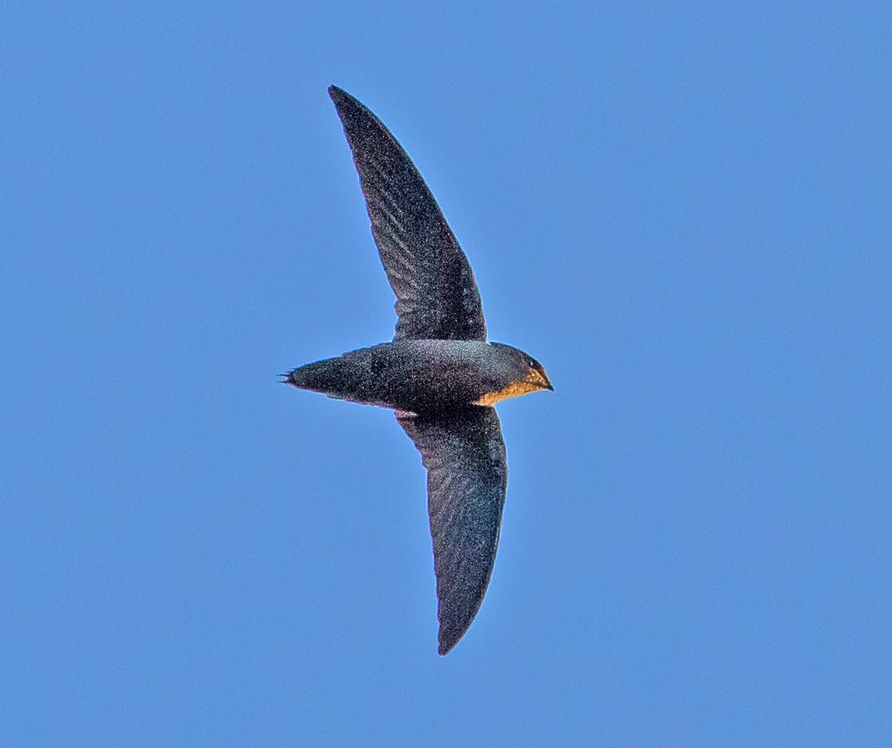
{"type": "Point", "coordinates": [345, 377]}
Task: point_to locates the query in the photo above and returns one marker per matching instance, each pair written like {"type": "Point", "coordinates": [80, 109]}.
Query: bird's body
{"type": "Point", "coordinates": [419, 376]}
{"type": "Point", "coordinates": [439, 374]}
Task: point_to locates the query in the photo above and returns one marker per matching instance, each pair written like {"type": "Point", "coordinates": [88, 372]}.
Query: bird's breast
{"type": "Point", "coordinates": [424, 376]}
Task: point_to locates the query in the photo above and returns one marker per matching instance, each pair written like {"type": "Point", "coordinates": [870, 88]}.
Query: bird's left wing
{"type": "Point", "coordinates": [436, 294]}
{"type": "Point", "coordinates": [464, 454]}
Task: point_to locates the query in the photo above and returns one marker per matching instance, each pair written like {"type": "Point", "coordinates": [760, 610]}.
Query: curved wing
{"type": "Point", "coordinates": [437, 296]}
{"type": "Point", "coordinates": [467, 474]}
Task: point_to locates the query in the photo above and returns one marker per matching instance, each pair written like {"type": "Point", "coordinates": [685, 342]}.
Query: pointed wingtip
{"type": "Point", "coordinates": [447, 639]}
{"type": "Point", "coordinates": [337, 94]}
{"type": "Point", "coordinates": [345, 104]}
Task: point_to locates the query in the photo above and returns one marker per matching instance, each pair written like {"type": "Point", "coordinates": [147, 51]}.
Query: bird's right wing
{"type": "Point", "coordinates": [467, 475]}
{"type": "Point", "coordinates": [437, 296]}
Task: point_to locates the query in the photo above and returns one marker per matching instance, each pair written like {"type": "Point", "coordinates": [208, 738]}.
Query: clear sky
{"type": "Point", "coordinates": [684, 212]}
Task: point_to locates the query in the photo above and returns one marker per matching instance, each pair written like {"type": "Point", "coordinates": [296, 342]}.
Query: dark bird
{"type": "Point", "coordinates": [439, 374]}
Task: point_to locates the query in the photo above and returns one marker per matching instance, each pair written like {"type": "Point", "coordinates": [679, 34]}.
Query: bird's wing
{"type": "Point", "coordinates": [437, 296]}
{"type": "Point", "coordinates": [467, 474]}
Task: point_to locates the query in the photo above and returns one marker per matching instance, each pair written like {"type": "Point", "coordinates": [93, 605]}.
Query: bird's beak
{"type": "Point", "coordinates": [540, 379]}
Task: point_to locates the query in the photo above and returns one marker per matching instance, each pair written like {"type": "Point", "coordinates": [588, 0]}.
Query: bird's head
{"type": "Point", "coordinates": [520, 374]}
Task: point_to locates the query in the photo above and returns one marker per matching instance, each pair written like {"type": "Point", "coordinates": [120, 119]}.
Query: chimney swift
{"type": "Point", "coordinates": [439, 374]}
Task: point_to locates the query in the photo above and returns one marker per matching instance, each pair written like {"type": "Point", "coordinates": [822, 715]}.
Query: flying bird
{"type": "Point", "coordinates": [439, 374]}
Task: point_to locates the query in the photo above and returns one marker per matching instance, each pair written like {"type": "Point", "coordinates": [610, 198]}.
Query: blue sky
{"type": "Point", "coordinates": [683, 211]}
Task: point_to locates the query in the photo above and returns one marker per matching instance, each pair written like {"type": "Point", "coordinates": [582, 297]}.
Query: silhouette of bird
{"type": "Point", "coordinates": [439, 373]}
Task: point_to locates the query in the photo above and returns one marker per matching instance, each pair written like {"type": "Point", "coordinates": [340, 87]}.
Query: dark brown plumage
{"type": "Point", "coordinates": [439, 374]}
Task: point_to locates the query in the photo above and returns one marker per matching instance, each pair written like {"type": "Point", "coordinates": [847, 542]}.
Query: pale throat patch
{"type": "Point", "coordinates": [515, 389]}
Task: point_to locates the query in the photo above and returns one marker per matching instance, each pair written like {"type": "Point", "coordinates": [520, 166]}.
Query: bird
{"type": "Point", "coordinates": [439, 374]}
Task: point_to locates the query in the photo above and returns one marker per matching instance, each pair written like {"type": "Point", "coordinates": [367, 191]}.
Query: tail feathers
{"type": "Point", "coordinates": [346, 377]}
